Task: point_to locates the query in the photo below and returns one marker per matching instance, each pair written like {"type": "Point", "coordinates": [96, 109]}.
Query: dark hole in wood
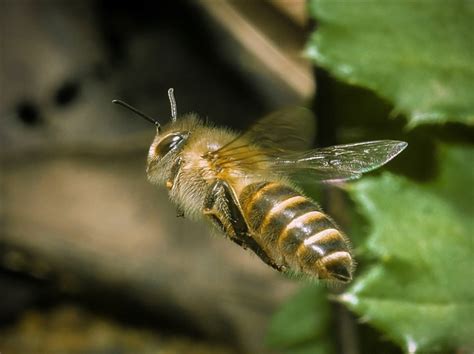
{"type": "Point", "coordinates": [67, 93]}
{"type": "Point", "coordinates": [28, 113]}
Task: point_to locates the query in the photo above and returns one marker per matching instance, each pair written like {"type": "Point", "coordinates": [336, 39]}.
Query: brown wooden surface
{"type": "Point", "coordinates": [97, 218]}
{"type": "Point", "coordinates": [69, 329]}
{"type": "Point", "coordinates": [75, 205]}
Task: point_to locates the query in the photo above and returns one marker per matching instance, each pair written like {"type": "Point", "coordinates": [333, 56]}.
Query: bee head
{"type": "Point", "coordinates": [168, 142]}
{"type": "Point", "coordinates": [164, 152]}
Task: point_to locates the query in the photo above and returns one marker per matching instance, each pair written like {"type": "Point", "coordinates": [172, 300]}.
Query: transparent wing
{"type": "Point", "coordinates": [339, 162]}
{"type": "Point", "coordinates": [279, 141]}
{"type": "Point", "coordinates": [290, 128]}
{"type": "Point", "coordinates": [330, 164]}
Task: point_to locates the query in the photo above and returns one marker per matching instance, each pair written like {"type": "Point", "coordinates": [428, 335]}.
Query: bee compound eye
{"type": "Point", "coordinates": [169, 143]}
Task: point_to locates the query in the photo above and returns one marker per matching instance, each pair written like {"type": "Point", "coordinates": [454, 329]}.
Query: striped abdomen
{"type": "Point", "coordinates": [292, 230]}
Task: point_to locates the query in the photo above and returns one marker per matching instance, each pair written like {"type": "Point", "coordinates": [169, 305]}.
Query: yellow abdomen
{"type": "Point", "coordinates": [293, 231]}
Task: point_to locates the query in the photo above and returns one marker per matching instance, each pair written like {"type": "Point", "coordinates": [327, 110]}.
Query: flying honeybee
{"type": "Point", "coordinates": [242, 183]}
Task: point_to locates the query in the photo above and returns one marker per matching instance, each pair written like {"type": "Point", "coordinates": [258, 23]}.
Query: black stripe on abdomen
{"type": "Point", "coordinates": [259, 198]}
{"type": "Point", "coordinates": [282, 219]}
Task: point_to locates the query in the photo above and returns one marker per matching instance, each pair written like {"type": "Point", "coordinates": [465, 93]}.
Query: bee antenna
{"type": "Point", "coordinates": [174, 110]}
{"type": "Point", "coordinates": [136, 111]}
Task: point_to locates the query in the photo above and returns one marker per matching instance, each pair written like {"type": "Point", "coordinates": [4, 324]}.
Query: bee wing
{"type": "Point", "coordinates": [277, 142]}
{"type": "Point", "coordinates": [339, 162]}
{"type": "Point", "coordinates": [330, 164]}
{"type": "Point", "coordinates": [290, 128]}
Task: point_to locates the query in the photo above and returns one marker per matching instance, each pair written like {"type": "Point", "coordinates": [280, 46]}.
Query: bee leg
{"type": "Point", "coordinates": [221, 194]}
{"type": "Point", "coordinates": [246, 241]}
{"type": "Point", "coordinates": [215, 208]}
{"type": "Point", "coordinates": [179, 212]}
{"type": "Point", "coordinates": [170, 183]}
{"type": "Point", "coordinates": [221, 204]}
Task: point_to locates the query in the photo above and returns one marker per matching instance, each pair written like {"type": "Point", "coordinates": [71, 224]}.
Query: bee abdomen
{"type": "Point", "coordinates": [283, 220]}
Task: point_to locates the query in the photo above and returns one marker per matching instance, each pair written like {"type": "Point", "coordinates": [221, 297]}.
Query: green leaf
{"type": "Point", "coordinates": [421, 292]}
{"type": "Point", "coordinates": [417, 54]}
{"type": "Point", "coordinates": [301, 325]}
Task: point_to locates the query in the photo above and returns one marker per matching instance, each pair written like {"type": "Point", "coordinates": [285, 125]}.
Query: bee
{"type": "Point", "coordinates": [244, 185]}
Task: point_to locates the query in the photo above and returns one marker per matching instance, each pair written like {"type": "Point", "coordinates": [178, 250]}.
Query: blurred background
{"type": "Point", "coordinates": [92, 257]}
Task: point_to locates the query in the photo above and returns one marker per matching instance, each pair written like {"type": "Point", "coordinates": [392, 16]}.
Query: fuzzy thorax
{"type": "Point", "coordinates": [185, 170]}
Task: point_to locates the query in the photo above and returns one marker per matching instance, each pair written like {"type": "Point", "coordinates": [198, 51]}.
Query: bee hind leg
{"type": "Point", "coordinates": [223, 208]}
{"type": "Point", "coordinates": [246, 241]}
